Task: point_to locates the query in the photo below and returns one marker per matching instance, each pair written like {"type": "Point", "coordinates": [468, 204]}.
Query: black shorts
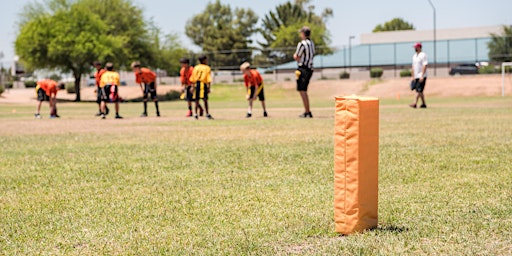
{"type": "Point", "coordinates": [201, 91]}
{"type": "Point", "coordinates": [149, 89]}
{"type": "Point", "coordinates": [303, 77]}
{"type": "Point", "coordinates": [104, 93]}
{"type": "Point", "coordinates": [41, 95]}
{"type": "Point", "coordinates": [252, 89]}
{"type": "Point", "coordinates": [98, 94]}
{"type": "Point", "coordinates": [189, 95]}
{"type": "Point", "coordinates": [419, 87]}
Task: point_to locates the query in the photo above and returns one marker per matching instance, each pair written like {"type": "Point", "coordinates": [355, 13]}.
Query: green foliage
{"type": "Point", "coordinates": [406, 73]}
{"type": "Point", "coordinates": [2, 89]}
{"type": "Point", "coordinates": [393, 25]}
{"type": "Point", "coordinates": [223, 32]}
{"type": "Point", "coordinates": [488, 70]}
{"type": "Point", "coordinates": [30, 84]}
{"type": "Point", "coordinates": [55, 77]}
{"type": "Point", "coordinates": [500, 46]}
{"type": "Point", "coordinates": [172, 95]}
{"type": "Point", "coordinates": [376, 72]}
{"type": "Point", "coordinates": [8, 85]}
{"type": "Point", "coordinates": [344, 75]}
{"type": "Point", "coordinates": [70, 88]}
{"type": "Point", "coordinates": [170, 53]}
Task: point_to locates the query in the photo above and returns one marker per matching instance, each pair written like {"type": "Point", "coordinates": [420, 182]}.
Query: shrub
{"type": "Point", "coordinates": [488, 70]}
{"type": "Point", "coordinates": [287, 79]}
{"type": "Point", "coordinates": [405, 73]}
{"type": "Point", "coordinates": [376, 72]}
{"type": "Point", "coordinates": [70, 88]}
{"type": "Point", "coordinates": [344, 75]}
{"type": "Point", "coordinates": [30, 84]}
{"type": "Point", "coordinates": [238, 80]}
{"type": "Point", "coordinates": [1, 90]}
{"type": "Point", "coordinates": [8, 85]}
{"type": "Point", "coordinates": [172, 95]}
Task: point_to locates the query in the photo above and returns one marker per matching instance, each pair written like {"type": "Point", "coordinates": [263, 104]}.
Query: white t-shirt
{"type": "Point", "coordinates": [418, 61]}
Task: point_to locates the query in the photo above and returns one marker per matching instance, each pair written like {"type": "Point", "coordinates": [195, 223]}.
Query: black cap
{"type": "Point", "coordinates": [306, 30]}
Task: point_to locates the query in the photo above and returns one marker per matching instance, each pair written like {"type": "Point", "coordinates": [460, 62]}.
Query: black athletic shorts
{"type": "Point", "coordinates": [104, 93]}
{"type": "Point", "coordinates": [98, 94]}
{"type": "Point", "coordinates": [189, 95]}
{"type": "Point", "coordinates": [149, 89]}
{"type": "Point", "coordinates": [252, 89]}
{"type": "Point", "coordinates": [419, 87]}
{"type": "Point", "coordinates": [41, 95]}
{"type": "Point", "coordinates": [303, 76]}
{"type": "Point", "coordinates": [201, 91]}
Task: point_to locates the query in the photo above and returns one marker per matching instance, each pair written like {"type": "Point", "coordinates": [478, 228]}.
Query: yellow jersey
{"type": "Point", "coordinates": [201, 73]}
{"type": "Point", "coordinates": [109, 78]}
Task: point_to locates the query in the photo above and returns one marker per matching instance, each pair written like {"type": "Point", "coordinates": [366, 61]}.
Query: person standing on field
{"type": "Point", "coordinates": [46, 90]}
{"type": "Point", "coordinates": [254, 84]}
{"type": "Point", "coordinates": [109, 90]}
{"type": "Point", "coordinates": [419, 75]}
{"type": "Point", "coordinates": [201, 77]}
{"type": "Point", "coordinates": [188, 87]}
{"type": "Point", "coordinates": [97, 76]}
{"type": "Point", "coordinates": [148, 78]}
{"type": "Point", "coordinates": [304, 56]}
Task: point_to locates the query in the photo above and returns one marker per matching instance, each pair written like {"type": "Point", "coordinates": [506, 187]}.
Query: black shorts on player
{"type": "Point", "coordinates": [303, 76]}
{"type": "Point", "coordinates": [104, 93]}
{"type": "Point", "coordinates": [149, 89]}
{"type": "Point", "coordinates": [41, 95]}
{"type": "Point", "coordinates": [261, 94]}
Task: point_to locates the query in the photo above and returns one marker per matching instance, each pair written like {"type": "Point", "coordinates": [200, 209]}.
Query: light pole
{"type": "Point", "coordinates": [350, 52]}
{"type": "Point", "coordinates": [435, 57]}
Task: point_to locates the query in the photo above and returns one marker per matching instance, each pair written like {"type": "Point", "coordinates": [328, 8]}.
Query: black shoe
{"type": "Point", "coordinates": [144, 115]}
{"type": "Point", "coordinates": [248, 115]}
{"type": "Point", "coordinates": [37, 116]}
{"type": "Point", "coordinates": [196, 117]}
{"type": "Point", "coordinates": [98, 114]}
{"type": "Point", "coordinates": [306, 115]}
{"type": "Point", "coordinates": [310, 115]}
{"type": "Point", "coordinates": [265, 114]}
{"type": "Point", "coordinates": [423, 106]}
{"type": "Point", "coordinates": [103, 116]}
{"type": "Point", "coordinates": [209, 116]}
{"type": "Point", "coordinates": [107, 110]}
{"type": "Point", "coordinates": [118, 116]}
{"type": "Point", "coordinates": [157, 113]}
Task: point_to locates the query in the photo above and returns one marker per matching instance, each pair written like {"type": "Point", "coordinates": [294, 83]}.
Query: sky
{"type": "Point", "coordinates": [351, 18]}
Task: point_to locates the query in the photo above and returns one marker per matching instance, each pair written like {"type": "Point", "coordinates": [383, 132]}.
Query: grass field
{"type": "Point", "coordinates": [236, 186]}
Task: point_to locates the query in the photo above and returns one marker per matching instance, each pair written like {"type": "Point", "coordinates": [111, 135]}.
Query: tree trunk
{"type": "Point", "coordinates": [77, 86]}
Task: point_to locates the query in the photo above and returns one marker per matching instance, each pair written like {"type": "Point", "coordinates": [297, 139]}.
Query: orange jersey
{"type": "Point", "coordinates": [254, 79]}
{"type": "Point", "coordinates": [145, 76]}
{"type": "Point", "coordinates": [49, 86]}
{"type": "Point", "coordinates": [97, 76]}
{"type": "Point", "coordinates": [185, 74]}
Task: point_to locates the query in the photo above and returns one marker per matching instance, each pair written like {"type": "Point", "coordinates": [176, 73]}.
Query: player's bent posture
{"type": "Point", "coordinates": [97, 76]}
{"type": "Point", "coordinates": [109, 90]}
{"type": "Point", "coordinates": [202, 79]}
{"type": "Point", "coordinates": [254, 84]}
{"type": "Point", "coordinates": [188, 88]}
{"type": "Point", "coordinates": [148, 78]}
{"type": "Point", "coordinates": [46, 90]}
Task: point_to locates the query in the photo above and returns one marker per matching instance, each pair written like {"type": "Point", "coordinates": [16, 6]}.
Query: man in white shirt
{"type": "Point", "coordinates": [419, 75]}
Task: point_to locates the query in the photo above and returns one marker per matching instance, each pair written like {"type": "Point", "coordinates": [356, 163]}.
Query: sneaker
{"type": "Point", "coordinates": [306, 115]}
{"type": "Point", "coordinates": [248, 115]}
{"type": "Point", "coordinates": [118, 116]}
{"type": "Point", "coordinates": [144, 115]}
{"type": "Point", "coordinates": [57, 116]}
{"type": "Point", "coordinates": [196, 117]}
{"type": "Point", "coordinates": [37, 116]}
{"type": "Point", "coordinates": [209, 116]}
{"type": "Point", "coordinates": [412, 105]}
{"type": "Point", "coordinates": [423, 106]}
{"type": "Point", "coordinates": [201, 112]}
{"type": "Point", "coordinates": [310, 115]}
{"type": "Point", "coordinates": [52, 116]}
{"type": "Point", "coordinates": [98, 114]}
{"type": "Point", "coordinates": [103, 116]}
{"type": "Point", "coordinates": [107, 110]}
{"type": "Point", "coordinates": [158, 114]}
{"type": "Point", "coordinates": [265, 114]}
{"type": "Point", "coordinates": [189, 114]}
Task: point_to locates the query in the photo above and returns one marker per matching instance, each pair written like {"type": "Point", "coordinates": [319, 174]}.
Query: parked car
{"type": "Point", "coordinates": [464, 69]}
{"type": "Point", "coordinates": [91, 81]}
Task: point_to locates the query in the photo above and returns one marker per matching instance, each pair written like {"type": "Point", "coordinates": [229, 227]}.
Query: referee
{"type": "Point", "coordinates": [304, 57]}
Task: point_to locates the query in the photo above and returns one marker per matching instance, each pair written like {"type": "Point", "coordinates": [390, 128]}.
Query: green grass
{"type": "Point", "coordinates": [232, 186]}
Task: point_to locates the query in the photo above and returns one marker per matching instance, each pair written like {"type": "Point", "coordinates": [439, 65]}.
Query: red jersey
{"type": "Point", "coordinates": [49, 86]}
{"type": "Point", "coordinates": [145, 76]}
{"type": "Point", "coordinates": [254, 79]}
{"type": "Point", "coordinates": [97, 76]}
{"type": "Point", "coordinates": [185, 74]}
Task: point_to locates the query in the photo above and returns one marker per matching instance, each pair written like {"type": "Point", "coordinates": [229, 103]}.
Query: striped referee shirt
{"type": "Point", "coordinates": [306, 53]}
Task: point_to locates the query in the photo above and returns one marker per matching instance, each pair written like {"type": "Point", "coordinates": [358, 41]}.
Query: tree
{"type": "Point", "coordinates": [280, 29]}
{"type": "Point", "coordinates": [69, 34]}
{"type": "Point", "coordinates": [500, 46]}
{"type": "Point", "coordinates": [393, 25]}
{"type": "Point", "coordinates": [171, 51]}
{"type": "Point", "coordinates": [223, 33]}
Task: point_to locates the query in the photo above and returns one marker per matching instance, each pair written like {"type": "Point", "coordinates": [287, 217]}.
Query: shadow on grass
{"type": "Point", "coordinates": [389, 228]}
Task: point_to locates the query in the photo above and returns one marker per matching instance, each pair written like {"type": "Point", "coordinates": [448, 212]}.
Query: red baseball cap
{"type": "Point", "coordinates": [418, 44]}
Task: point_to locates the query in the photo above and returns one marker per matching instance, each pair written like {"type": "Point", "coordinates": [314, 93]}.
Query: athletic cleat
{"type": "Point", "coordinates": [98, 114]}
{"type": "Point", "coordinates": [118, 116]}
{"type": "Point", "coordinates": [310, 115]}
{"type": "Point", "coordinates": [158, 114]}
{"type": "Point", "coordinates": [144, 115]}
{"type": "Point", "coordinates": [37, 116]}
{"type": "Point", "coordinates": [103, 116]}
{"type": "Point", "coordinates": [189, 114]}
{"type": "Point", "coordinates": [57, 116]}
{"type": "Point", "coordinates": [52, 116]}
{"type": "Point", "coordinates": [209, 116]}
{"type": "Point", "coordinates": [412, 105]}
{"type": "Point", "coordinates": [265, 114]}
{"type": "Point", "coordinates": [306, 115]}
{"type": "Point", "coordinates": [201, 112]}
{"type": "Point", "coordinates": [196, 117]}
{"type": "Point", "coordinates": [248, 115]}
{"type": "Point", "coordinates": [423, 106]}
